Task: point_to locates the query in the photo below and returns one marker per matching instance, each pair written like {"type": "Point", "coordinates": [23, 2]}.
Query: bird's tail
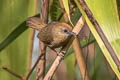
{"type": "Point", "coordinates": [35, 23]}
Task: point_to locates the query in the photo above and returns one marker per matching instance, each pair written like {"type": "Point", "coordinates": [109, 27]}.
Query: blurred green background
{"type": "Point", "coordinates": [14, 39]}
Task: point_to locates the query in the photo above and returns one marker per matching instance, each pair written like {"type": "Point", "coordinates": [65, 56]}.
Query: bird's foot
{"type": "Point", "coordinates": [62, 54]}
{"type": "Point", "coordinates": [59, 53]}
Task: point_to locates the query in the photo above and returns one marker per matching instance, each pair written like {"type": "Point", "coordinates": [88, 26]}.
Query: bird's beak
{"type": "Point", "coordinates": [71, 33]}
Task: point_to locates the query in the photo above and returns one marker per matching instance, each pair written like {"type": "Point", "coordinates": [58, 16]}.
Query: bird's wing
{"type": "Point", "coordinates": [45, 35]}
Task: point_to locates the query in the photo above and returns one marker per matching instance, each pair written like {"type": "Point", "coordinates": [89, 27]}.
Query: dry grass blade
{"type": "Point", "coordinates": [80, 59]}
{"type": "Point", "coordinates": [78, 52]}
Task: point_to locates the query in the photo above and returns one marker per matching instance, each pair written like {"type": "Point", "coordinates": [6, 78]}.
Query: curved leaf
{"type": "Point", "coordinates": [13, 35]}
{"type": "Point", "coordinates": [106, 15]}
{"type": "Point", "coordinates": [66, 6]}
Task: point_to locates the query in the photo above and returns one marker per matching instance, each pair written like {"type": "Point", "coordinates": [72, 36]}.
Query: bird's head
{"type": "Point", "coordinates": [63, 31]}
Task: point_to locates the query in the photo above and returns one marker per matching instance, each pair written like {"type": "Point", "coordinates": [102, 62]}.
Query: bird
{"type": "Point", "coordinates": [54, 34]}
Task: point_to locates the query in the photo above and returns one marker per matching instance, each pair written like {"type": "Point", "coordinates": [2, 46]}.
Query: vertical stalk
{"type": "Point", "coordinates": [42, 47]}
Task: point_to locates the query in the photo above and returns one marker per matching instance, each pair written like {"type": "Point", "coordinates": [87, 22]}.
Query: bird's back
{"type": "Point", "coordinates": [45, 35]}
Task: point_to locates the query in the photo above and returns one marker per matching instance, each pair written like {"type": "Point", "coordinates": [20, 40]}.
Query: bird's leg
{"type": "Point", "coordinates": [54, 50]}
{"type": "Point", "coordinates": [58, 53]}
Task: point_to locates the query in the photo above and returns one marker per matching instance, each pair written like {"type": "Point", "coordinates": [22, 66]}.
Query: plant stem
{"type": "Point", "coordinates": [100, 32]}
{"type": "Point", "coordinates": [27, 77]}
{"type": "Point", "coordinates": [13, 73]}
{"type": "Point", "coordinates": [42, 47]}
{"type": "Point", "coordinates": [80, 58]}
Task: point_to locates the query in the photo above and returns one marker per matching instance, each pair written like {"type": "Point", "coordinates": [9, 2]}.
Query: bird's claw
{"type": "Point", "coordinates": [62, 54]}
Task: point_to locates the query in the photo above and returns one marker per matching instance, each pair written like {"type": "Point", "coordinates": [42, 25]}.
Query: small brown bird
{"type": "Point", "coordinates": [54, 35]}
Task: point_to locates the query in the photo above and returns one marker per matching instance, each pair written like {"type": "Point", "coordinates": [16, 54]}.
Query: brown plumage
{"type": "Point", "coordinates": [54, 35]}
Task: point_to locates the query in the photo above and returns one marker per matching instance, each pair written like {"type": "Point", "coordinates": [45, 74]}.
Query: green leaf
{"type": "Point", "coordinates": [98, 66]}
{"type": "Point", "coordinates": [15, 56]}
{"type": "Point", "coordinates": [13, 35]}
{"type": "Point", "coordinates": [118, 5]}
{"type": "Point", "coordinates": [54, 10]}
{"type": "Point", "coordinates": [106, 14]}
{"type": "Point", "coordinates": [70, 64]}
{"type": "Point", "coordinates": [66, 6]}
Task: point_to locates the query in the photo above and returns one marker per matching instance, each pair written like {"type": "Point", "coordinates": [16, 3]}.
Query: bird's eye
{"type": "Point", "coordinates": [65, 30]}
